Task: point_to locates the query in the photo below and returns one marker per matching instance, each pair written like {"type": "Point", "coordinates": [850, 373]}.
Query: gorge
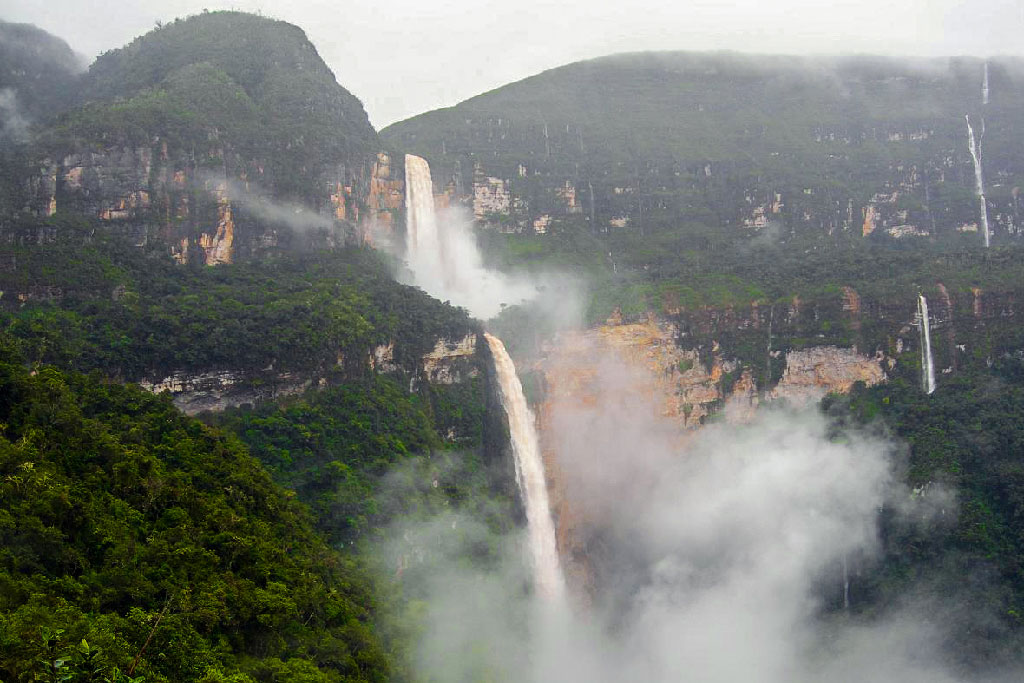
{"type": "Point", "coordinates": [657, 366]}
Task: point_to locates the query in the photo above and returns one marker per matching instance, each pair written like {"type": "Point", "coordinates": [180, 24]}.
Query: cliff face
{"type": "Point", "coordinates": [220, 137]}
{"type": "Point", "coordinates": [159, 195]}
{"type": "Point", "coordinates": [632, 143]}
{"type": "Point", "coordinates": [644, 361]}
{"type": "Point", "coordinates": [812, 373]}
{"type": "Point", "coordinates": [450, 362]}
{"type": "Point", "coordinates": [724, 364]}
{"type": "Point", "coordinates": [693, 384]}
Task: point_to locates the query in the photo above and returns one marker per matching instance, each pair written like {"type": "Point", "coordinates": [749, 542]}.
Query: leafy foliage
{"type": "Point", "coordinates": [223, 81]}
{"type": "Point", "coordinates": [130, 315]}
{"type": "Point", "coordinates": [124, 522]}
{"type": "Point", "coordinates": [965, 438]}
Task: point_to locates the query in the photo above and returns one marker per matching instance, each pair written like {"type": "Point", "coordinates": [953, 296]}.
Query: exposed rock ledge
{"type": "Point", "coordinates": [642, 365]}
{"type": "Point", "coordinates": [811, 373]}
{"type": "Point", "coordinates": [219, 390]}
{"type": "Point", "coordinates": [449, 362]}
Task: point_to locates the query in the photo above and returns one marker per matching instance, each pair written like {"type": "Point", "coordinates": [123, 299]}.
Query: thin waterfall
{"type": "Point", "coordinates": [529, 468]}
{"type": "Point", "coordinates": [846, 583]}
{"type": "Point", "coordinates": [927, 361]}
{"type": "Point", "coordinates": [984, 86]}
{"type": "Point", "coordinates": [979, 181]}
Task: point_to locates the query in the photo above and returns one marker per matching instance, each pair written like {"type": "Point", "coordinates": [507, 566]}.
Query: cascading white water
{"type": "Point", "coordinates": [927, 362]}
{"type": "Point", "coordinates": [425, 246]}
{"type": "Point", "coordinates": [442, 254]}
{"type": "Point", "coordinates": [979, 181]}
{"type": "Point", "coordinates": [529, 475]}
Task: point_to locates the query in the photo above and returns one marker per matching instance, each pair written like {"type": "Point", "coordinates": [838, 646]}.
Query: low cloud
{"type": "Point", "coordinates": [14, 124]}
{"type": "Point", "coordinates": [455, 272]}
{"type": "Point", "coordinates": [255, 201]}
{"type": "Point", "coordinates": [711, 556]}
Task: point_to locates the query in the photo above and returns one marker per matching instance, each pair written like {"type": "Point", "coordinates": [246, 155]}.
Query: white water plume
{"type": "Point", "coordinates": [927, 361]}
{"type": "Point", "coordinates": [974, 144]}
{"type": "Point", "coordinates": [708, 557]}
{"type": "Point", "coordinates": [530, 476]}
{"type": "Point", "coordinates": [443, 256]}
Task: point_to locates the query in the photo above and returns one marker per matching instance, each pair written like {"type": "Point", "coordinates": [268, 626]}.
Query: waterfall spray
{"type": "Point", "coordinates": [442, 254]}
{"type": "Point", "coordinates": [979, 181]}
{"type": "Point", "coordinates": [529, 475]}
{"type": "Point", "coordinates": [927, 361]}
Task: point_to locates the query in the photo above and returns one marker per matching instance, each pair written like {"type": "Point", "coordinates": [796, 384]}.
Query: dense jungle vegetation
{"type": "Point", "coordinates": [132, 314]}
{"type": "Point", "coordinates": [140, 544]}
{"type": "Point", "coordinates": [965, 554]}
{"type": "Point", "coordinates": [125, 518]}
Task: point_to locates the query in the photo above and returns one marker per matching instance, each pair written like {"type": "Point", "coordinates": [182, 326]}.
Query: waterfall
{"type": "Point", "coordinates": [442, 254]}
{"type": "Point", "coordinates": [927, 362]}
{"type": "Point", "coordinates": [979, 180]}
{"type": "Point", "coordinates": [846, 584]}
{"type": "Point", "coordinates": [424, 245]}
{"type": "Point", "coordinates": [984, 86]}
{"type": "Point", "coordinates": [529, 475]}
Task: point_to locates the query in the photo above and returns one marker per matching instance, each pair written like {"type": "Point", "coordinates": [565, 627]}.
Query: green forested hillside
{"type": "Point", "coordinates": [117, 506]}
{"type": "Point", "coordinates": [334, 447]}
{"type": "Point", "coordinates": [687, 145]}
{"type": "Point", "coordinates": [677, 106]}
{"type": "Point", "coordinates": [963, 454]}
{"type": "Point", "coordinates": [134, 314]}
{"type": "Point", "coordinates": [124, 522]}
{"type": "Point", "coordinates": [222, 79]}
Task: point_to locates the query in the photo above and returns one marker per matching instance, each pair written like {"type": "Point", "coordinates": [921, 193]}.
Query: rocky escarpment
{"type": "Point", "coordinates": [694, 384]}
{"type": "Point", "coordinates": [620, 367]}
{"type": "Point", "coordinates": [220, 137]}
{"type": "Point", "coordinates": [449, 362]}
{"type": "Point", "coordinates": [159, 195]}
{"type": "Point", "coordinates": [635, 143]}
{"type": "Point", "coordinates": [722, 364]}
{"type": "Point", "coordinates": [812, 373]}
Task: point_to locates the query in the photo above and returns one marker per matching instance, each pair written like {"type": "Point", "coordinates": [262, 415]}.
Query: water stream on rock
{"type": "Point", "coordinates": [424, 247]}
{"type": "Point", "coordinates": [927, 362]}
{"type": "Point", "coordinates": [974, 144]}
{"type": "Point", "coordinates": [443, 256]}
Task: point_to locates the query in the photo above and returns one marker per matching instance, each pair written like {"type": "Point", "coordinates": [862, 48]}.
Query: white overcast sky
{"type": "Point", "coordinates": [404, 57]}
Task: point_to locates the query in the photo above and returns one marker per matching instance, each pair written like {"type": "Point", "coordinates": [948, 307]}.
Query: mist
{"type": "Point", "coordinates": [711, 555]}
{"type": "Point", "coordinates": [452, 57]}
{"type": "Point", "coordinates": [14, 126]}
{"type": "Point", "coordinates": [257, 202]}
{"type": "Point", "coordinates": [456, 272]}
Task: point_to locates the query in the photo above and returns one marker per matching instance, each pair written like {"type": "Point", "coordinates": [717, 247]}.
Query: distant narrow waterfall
{"type": "Point", "coordinates": [927, 361]}
{"type": "Point", "coordinates": [979, 180]}
{"type": "Point", "coordinates": [984, 86]}
{"type": "Point", "coordinates": [529, 475]}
